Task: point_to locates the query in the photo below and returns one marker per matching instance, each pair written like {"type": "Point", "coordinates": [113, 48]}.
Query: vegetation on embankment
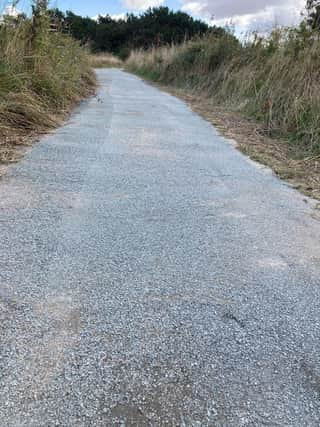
{"type": "Point", "coordinates": [275, 80]}
{"type": "Point", "coordinates": [43, 74]}
{"type": "Point", "coordinates": [272, 81]}
{"type": "Point", "coordinates": [105, 60]}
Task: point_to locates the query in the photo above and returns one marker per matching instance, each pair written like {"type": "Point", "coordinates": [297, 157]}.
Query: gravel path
{"type": "Point", "coordinates": [150, 274]}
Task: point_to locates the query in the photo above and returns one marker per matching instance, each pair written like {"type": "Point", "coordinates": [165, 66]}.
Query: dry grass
{"type": "Point", "coordinates": [251, 139]}
{"type": "Point", "coordinates": [273, 80]}
{"type": "Point", "coordinates": [303, 174]}
{"type": "Point", "coordinates": [105, 60]}
{"type": "Point", "coordinates": [265, 94]}
{"type": "Point", "coordinates": [43, 75]}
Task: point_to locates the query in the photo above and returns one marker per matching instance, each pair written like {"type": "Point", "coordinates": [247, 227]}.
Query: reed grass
{"type": "Point", "coordinates": [274, 79]}
{"type": "Point", "coordinates": [105, 60]}
{"type": "Point", "coordinates": [43, 73]}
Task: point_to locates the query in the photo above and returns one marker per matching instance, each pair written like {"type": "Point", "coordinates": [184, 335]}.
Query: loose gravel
{"type": "Point", "coordinates": [150, 274]}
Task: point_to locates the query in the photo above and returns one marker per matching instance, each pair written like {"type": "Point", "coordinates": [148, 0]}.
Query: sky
{"type": "Point", "coordinates": [244, 14]}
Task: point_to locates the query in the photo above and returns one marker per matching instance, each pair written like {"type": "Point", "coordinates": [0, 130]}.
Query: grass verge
{"type": "Point", "coordinates": [43, 74]}
{"type": "Point", "coordinates": [265, 94]}
{"type": "Point", "coordinates": [302, 173]}
{"type": "Point", "coordinates": [105, 60]}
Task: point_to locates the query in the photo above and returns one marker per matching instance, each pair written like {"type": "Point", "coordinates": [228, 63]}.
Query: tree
{"type": "Point", "coordinates": [155, 27]}
{"type": "Point", "coordinates": [313, 14]}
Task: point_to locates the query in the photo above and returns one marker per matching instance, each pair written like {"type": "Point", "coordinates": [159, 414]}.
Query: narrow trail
{"type": "Point", "coordinates": [150, 274]}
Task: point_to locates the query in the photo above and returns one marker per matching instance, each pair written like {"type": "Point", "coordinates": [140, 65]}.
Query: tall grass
{"type": "Point", "coordinates": [275, 79]}
{"type": "Point", "coordinates": [42, 75]}
{"type": "Point", "coordinates": [105, 60]}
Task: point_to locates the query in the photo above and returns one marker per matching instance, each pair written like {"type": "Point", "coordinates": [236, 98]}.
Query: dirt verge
{"type": "Point", "coordinates": [14, 143]}
{"type": "Point", "coordinates": [303, 173]}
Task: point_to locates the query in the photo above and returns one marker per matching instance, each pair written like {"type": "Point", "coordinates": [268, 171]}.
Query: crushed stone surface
{"type": "Point", "coordinates": [151, 275]}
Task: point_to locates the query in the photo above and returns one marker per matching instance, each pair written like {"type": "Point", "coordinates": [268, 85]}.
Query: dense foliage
{"type": "Point", "coordinates": [156, 27]}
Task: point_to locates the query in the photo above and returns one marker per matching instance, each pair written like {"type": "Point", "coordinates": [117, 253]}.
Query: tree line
{"type": "Point", "coordinates": [155, 27]}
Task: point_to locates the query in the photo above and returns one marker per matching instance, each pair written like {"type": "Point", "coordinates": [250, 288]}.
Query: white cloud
{"type": "Point", "coordinates": [116, 17]}
{"type": "Point", "coordinates": [142, 4]}
{"type": "Point", "coordinates": [119, 16]}
{"type": "Point", "coordinates": [195, 7]}
{"type": "Point", "coordinates": [11, 11]}
{"type": "Point", "coordinates": [246, 14]}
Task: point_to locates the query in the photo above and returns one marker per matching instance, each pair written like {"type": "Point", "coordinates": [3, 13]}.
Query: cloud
{"type": "Point", "coordinates": [246, 14]}
{"type": "Point", "coordinates": [11, 11]}
{"type": "Point", "coordinates": [119, 16]}
{"type": "Point", "coordinates": [116, 17]}
{"type": "Point", "coordinates": [142, 4]}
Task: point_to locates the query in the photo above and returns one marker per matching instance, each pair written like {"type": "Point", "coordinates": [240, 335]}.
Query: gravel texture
{"type": "Point", "coordinates": [150, 274]}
